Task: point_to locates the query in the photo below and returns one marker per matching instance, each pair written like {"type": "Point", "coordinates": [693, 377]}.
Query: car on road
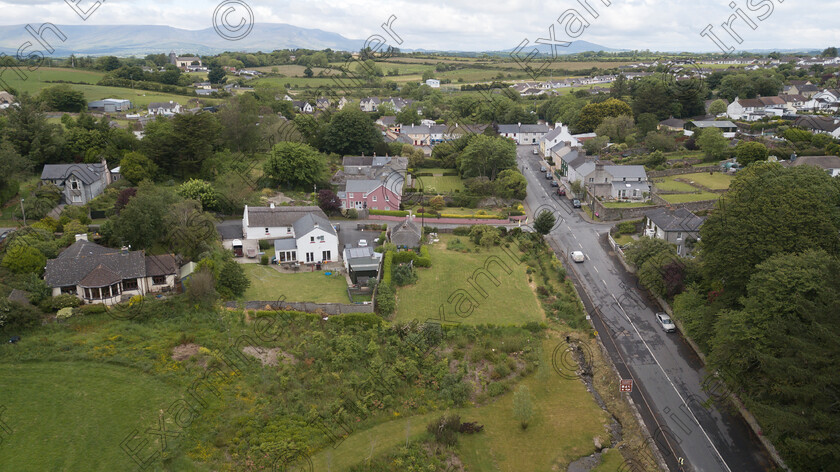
{"type": "Point", "coordinates": [578, 256]}
{"type": "Point", "coordinates": [363, 243]}
{"type": "Point", "coordinates": [554, 183]}
{"type": "Point", "coordinates": [548, 176]}
{"type": "Point", "coordinates": [561, 191]}
{"type": "Point", "coordinates": [576, 203]}
{"type": "Point", "coordinates": [542, 168]}
{"type": "Point", "coordinates": [4, 235]}
{"type": "Point", "coordinates": [666, 322]}
{"type": "Point", "coordinates": [536, 151]}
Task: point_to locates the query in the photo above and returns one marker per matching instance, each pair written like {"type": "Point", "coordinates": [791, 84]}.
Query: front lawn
{"type": "Point", "coordinates": [668, 184]}
{"type": "Point", "coordinates": [627, 204]}
{"type": "Point", "coordinates": [267, 284]}
{"type": "Point", "coordinates": [446, 285]}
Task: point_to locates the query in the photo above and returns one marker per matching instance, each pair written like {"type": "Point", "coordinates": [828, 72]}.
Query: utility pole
{"type": "Point", "coordinates": [23, 211]}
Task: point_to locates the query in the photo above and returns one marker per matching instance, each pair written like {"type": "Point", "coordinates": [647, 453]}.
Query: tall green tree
{"type": "Point", "coordinates": [32, 136]}
{"type": "Point", "coordinates": [295, 164]}
{"type": "Point", "coordinates": [487, 156]}
{"type": "Point", "coordinates": [63, 98]}
{"type": "Point", "coordinates": [544, 222]}
{"type": "Point", "coordinates": [593, 114]}
{"type": "Point", "coordinates": [351, 132]}
{"type": "Point", "coordinates": [195, 138]}
{"type": "Point", "coordinates": [748, 152]}
{"type": "Point", "coordinates": [712, 143]}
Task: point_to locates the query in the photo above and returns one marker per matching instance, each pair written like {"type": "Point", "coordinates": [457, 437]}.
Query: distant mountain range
{"type": "Point", "coordinates": [134, 40]}
{"type": "Point", "coordinates": [139, 40]}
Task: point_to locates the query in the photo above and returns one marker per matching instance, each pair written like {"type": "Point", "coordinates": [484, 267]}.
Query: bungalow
{"type": "Point", "coordinates": [676, 227]}
{"type": "Point", "coordinates": [205, 92]}
{"type": "Point", "coordinates": [6, 99]}
{"type": "Point", "coordinates": [728, 128]}
{"type": "Point", "coordinates": [301, 234]}
{"type": "Point", "coordinates": [407, 235]}
{"type": "Point", "coordinates": [523, 134]}
{"type": "Point", "coordinates": [110, 105]}
{"type": "Point", "coordinates": [819, 124]}
{"type": "Point", "coordinates": [672, 124]}
{"type": "Point", "coordinates": [164, 109]}
{"type": "Point", "coordinates": [830, 164]}
{"type": "Point", "coordinates": [97, 274]}
{"type": "Point", "coordinates": [79, 183]}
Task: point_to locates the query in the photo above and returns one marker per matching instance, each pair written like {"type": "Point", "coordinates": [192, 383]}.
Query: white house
{"type": "Point", "coordinates": [433, 83]}
{"type": "Point", "coordinates": [560, 134]}
{"type": "Point", "coordinates": [523, 134]}
{"type": "Point", "coordinates": [369, 104]}
{"type": "Point", "coordinates": [300, 234]}
{"type": "Point", "coordinates": [165, 109]}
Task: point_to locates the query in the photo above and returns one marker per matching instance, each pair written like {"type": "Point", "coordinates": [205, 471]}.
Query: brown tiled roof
{"type": "Point", "coordinates": [771, 100]}
{"type": "Point", "coordinates": [160, 265]}
{"type": "Point", "coordinates": [101, 276]}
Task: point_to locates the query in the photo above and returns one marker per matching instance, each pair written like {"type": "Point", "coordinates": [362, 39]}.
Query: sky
{"type": "Point", "coordinates": [472, 25]}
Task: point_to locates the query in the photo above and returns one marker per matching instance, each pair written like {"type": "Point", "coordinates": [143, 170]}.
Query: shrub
{"type": "Point", "coordinates": [627, 228]}
{"type": "Point", "coordinates": [456, 245]}
{"type": "Point", "coordinates": [352, 213]}
{"type": "Point", "coordinates": [14, 315]}
{"type": "Point", "coordinates": [462, 231]}
{"type": "Point", "coordinates": [264, 259]}
{"type": "Point", "coordinates": [265, 244]}
{"type": "Point", "coordinates": [64, 313]}
{"type": "Point", "coordinates": [404, 275]}
{"type": "Point", "coordinates": [387, 212]}
{"type": "Point", "coordinates": [386, 300]}
{"type": "Point", "coordinates": [444, 429]}
{"type": "Point", "coordinates": [62, 301]}
{"type": "Point", "coordinates": [425, 259]}
{"type": "Point", "coordinates": [95, 309]}
{"type": "Point", "coordinates": [496, 388]}
{"type": "Point", "coordinates": [382, 237]}
{"type": "Point", "coordinates": [500, 371]}
{"type": "Point", "coordinates": [386, 268]}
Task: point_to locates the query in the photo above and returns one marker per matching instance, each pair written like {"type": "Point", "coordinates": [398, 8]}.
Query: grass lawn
{"type": "Point", "coordinates": [445, 184]}
{"type": "Point", "coordinates": [73, 415]}
{"type": "Point", "coordinates": [511, 302]}
{"type": "Point", "coordinates": [714, 181]}
{"type": "Point", "coordinates": [623, 239]}
{"type": "Point", "coordinates": [565, 422]}
{"type": "Point", "coordinates": [267, 284]}
{"type": "Point", "coordinates": [690, 197]}
{"type": "Point", "coordinates": [684, 155]}
{"type": "Point", "coordinates": [611, 461]}
{"type": "Point", "coordinates": [668, 184]}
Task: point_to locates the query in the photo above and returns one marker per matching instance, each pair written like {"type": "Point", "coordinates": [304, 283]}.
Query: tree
{"type": "Point", "coordinates": [12, 166]}
{"type": "Point", "coordinates": [544, 222]}
{"type": "Point", "coordinates": [136, 167]}
{"type": "Point", "coordinates": [712, 143]}
{"type": "Point", "coordinates": [437, 203]}
{"type": "Point", "coordinates": [63, 98]}
{"type": "Point", "coordinates": [22, 259]}
{"type": "Point", "coordinates": [351, 132]}
{"type": "Point", "coordinates": [830, 52]}
{"type": "Point", "coordinates": [591, 115]}
{"type": "Point", "coordinates": [31, 135]}
{"type": "Point", "coordinates": [523, 406]}
{"type": "Point", "coordinates": [617, 128]}
{"type": "Point", "coordinates": [646, 122]}
{"type": "Point", "coordinates": [295, 164]}
{"type": "Point", "coordinates": [656, 158]}
{"type": "Point", "coordinates": [596, 145]}
{"type": "Point", "coordinates": [201, 191]}
{"type": "Point", "coordinates": [619, 87]}
{"type": "Point", "coordinates": [195, 138]}
{"type": "Point", "coordinates": [511, 184]}
{"type": "Point", "coordinates": [141, 223]}
{"type": "Point", "coordinates": [409, 116]}
{"type": "Point", "coordinates": [329, 201]}
{"type": "Point", "coordinates": [108, 63]}
{"type": "Point", "coordinates": [216, 74]}
{"type": "Point", "coordinates": [769, 210]}
{"type": "Point", "coordinates": [718, 106]}
{"type": "Point", "coordinates": [651, 95]}
{"type": "Point", "coordinates": [748, 152]}
{"type": "Point", "coordinates": [660, 141]}
{"type": "Point", "coordinates": [307, 72]}
{"type": "Point", "coordinates": [238, 118]}
{"type": "Point", "coordinates": [190, 230]}
{"type": "Point", "coordinates": [487, 156]}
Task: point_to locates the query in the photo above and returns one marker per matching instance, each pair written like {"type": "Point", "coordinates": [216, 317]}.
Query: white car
{"type": "Point", "coordinates": [363, 243]}
{"type": "Point", "coordinates": [578, 256]}
{"type": "Point", "coordinates": [666, 322]}
{"type": "Point", "coordinates": [536, 151]}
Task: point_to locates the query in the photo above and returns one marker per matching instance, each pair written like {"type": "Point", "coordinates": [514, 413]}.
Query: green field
{"type": "Point", "coordinates": [267, 284]}
{"type": "Point", "coordinates": [668, 184]}
{"type": "Point", "coordinates": [73, 415]}
{"type": "Point", "coordinates": [714, 181]}
{"type": "Point", "coordinates": [626, 204]}
{"type": "Point", "coordinates": [439, 287]}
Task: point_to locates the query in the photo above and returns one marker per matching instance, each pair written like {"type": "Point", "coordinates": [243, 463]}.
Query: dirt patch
{"type": "Point", "coordinates": [271, 356]}
{"type": "Point", "coordinates": [278, 199]}
{"type": "Point", "coordinates": [184, 351]}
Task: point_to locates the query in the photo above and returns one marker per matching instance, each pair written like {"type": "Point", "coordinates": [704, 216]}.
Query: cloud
{"type": "Point", "coordinates": [672, 25]}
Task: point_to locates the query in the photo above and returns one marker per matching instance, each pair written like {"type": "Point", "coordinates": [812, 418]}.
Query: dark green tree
{"type": "Point", "coordinates": [295, 164]}
{"type": "Point", "coordinates": [351, 132]}
{"type": "Point", "coordinates": [591, 115]}
{"type": "Point", "coordinates": [748, 152]}
{"type": "Point", "coordinates": [544, 222]}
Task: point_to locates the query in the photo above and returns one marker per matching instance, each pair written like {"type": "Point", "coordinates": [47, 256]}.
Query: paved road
{"type": "Point", "coordinates": [667, 373]}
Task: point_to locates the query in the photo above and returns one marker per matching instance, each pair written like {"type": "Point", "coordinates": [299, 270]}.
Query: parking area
{"type": "Point", "coordinates": [350, 236]}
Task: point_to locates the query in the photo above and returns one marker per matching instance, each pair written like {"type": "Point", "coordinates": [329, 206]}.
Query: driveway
{"type": "Point", "coordinates": [666, 372]}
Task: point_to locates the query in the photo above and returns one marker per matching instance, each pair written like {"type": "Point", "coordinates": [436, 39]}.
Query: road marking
{"type": "Point", "coordinates": [579, 244]}
{"type": "Point", "coordinates": [596, 269]}
{"type": "Point", "coordinates": [574, 236]}
{"type": "Point", "coordinates": [605, 283]}
{"type": "Point", "coordinates": [670, 381]}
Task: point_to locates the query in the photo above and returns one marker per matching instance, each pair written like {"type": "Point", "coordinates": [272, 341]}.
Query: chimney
{"type": "Point", "coordinates": [271, 206]}
{"type": "Point", "coordinates": [81, 237]}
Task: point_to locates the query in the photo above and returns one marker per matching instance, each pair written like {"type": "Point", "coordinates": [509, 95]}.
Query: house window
{"type": "Point", "coordinates": [69, 290]}
{"type": "Point", "coordinates": [312, 239]}
{"type": "Point", "coordinates": [74, 184]}
{"type": "Point", "coordinates": [387, 208]}
{"type": "Point", "coordinates": [266, 231]}
{"type": "Point", "coordinates": [288, 230]}
{"type": "Point", "coordinates": [349, 195]}
{"type": "Point", "coordinates": [679, 235]}
{"type": "Point", "coordinates": [77, 198]}
{"type": "Point", "coordinates": [159, 280]}
{"type": "Point", "coordinates": [386, 197]}
{"type": "Point", "coordinates": [374, 198]}
{"type": "Point", "coordinates": [591, 180]}
{"type": "Point", "coordinates": [325, 256]}
{"type": "Point", "coordinates": [624, 179]}
{"type": "Point", "coordinates": [310, 257]}
{"type": "Point", "coordinates": [129, 284]}
{"type": "Point", "coordinates": [320, 239]}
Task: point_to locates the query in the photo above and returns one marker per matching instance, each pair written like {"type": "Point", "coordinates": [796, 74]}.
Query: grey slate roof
{"type": "Point", "coordinates": [630, 172]}
{"type": "Point", "coordinates": [308, 222]}
{"type": "Point", "coordinates": [361, 186]}
{"type": "Point", "coordinates": [87, 173]}
{"type": "Point", "coordinates": [285, 244]}
{"type": "Point", "coordinates": [75, 263]}
{"type": "Point", "coordinates": [266, 217]}
{"type": "Point", "coordinates": [407, 234]}
{"type": "Point", "coordinates": [714, 124]}
{"type": "Point", "coordinates": [823, 162]}
{"type": "Point", "coordinates": [161, 265]}
{"type": "Point", "coordinates": [678, 220]}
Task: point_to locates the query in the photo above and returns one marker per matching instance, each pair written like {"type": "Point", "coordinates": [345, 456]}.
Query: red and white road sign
{"type": "Point", "coordinates": [626, 385]}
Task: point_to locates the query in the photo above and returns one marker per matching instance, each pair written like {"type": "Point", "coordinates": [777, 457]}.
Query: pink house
{"type": "Point", "coordinates": [372, 195]}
